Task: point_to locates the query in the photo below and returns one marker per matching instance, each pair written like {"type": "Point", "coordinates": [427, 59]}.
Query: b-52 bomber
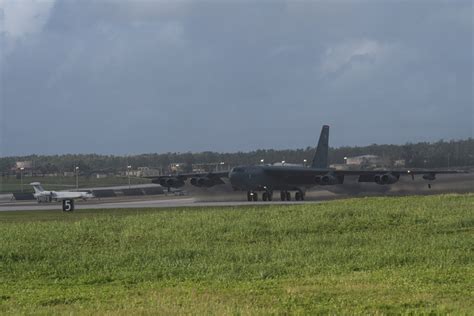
{"type": "Point", "coordinates": [286, 178]}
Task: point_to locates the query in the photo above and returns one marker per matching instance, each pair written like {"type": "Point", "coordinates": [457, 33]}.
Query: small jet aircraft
{"type": "Point", "coordinates": [286, 177]}
{"type": "Point", "coordinates": [66, 197]}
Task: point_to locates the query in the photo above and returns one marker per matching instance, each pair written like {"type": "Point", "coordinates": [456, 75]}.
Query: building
{"type": "Point", "coordinates": [178, 167]}
{"type": "Point", "coordinates": [367, 161]}
{"type": "Point", "coordinates": [26, 165]}
{"type": "Point", "coordinates": [143, 172]}
{"type": "Point", "coordinates": [210, 167]}
{"type": "Point", "coordinates": [400, 163]}
{"type": "Point", "coordinates": [148, 172]}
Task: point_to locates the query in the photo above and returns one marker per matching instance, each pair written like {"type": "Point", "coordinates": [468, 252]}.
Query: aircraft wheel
{"type": "Point", "coordinates": [264, 196]}
{"type": "Point", "coordinates": [249, 196]}
{"type": "Point", "coordinates": [255, 196]}
{"type": "Point", "coordinates": [298, 196]}
{"type": "Point", "coordinates": [282, 195]}
{"type": "Point", "coordinates": [288, 196]}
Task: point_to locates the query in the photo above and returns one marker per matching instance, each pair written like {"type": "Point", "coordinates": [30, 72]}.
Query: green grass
{"type": "Point", "coordinates": [357, 256]}
{"type": "Point", "coordinates": [11, 184]}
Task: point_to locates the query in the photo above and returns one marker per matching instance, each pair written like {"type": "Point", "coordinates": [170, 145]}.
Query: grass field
{"type": "Point", "coordinates": [356, 256]}
{"type": "Point", "coordinates": [11, 184]}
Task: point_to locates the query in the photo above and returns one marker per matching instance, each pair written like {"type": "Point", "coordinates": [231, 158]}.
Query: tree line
{"type": "Point", "coordinates": [441, 154]}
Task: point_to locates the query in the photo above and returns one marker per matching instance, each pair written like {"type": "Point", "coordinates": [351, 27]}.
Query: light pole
{"type": "Point", "coordinates": [21, 177]}
{"type": "Point", "coordinates": [304, 162]}
{"type": "Point", "coordinates": [128, 173]}
{"type": "Point", "coordinates": [262, 161]}
{"type": "Point", "coordinates": [77, 177]}
{"type": "Point", "coordinates": [345, 160]}
{"type": "Point", "coordinates": [221, 165]}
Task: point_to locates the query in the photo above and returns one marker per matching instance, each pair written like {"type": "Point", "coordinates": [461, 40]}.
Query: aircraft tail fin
{"type": "Point", "coordinates": [37, 187]}
{"type": "Point", "coordinates": [320, 159]}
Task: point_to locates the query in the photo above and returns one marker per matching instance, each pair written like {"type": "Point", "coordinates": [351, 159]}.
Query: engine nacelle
{"type": "Point", "coordinates": [429, 176]}
{"type": "Point", "coordinates": [329, 179]}
{"type": "Point", "coordinates": [386, 178]}
{"type": "Point", "coordinates": [169, 182]}
{"type": "Point", "coordinates": [205, 181]}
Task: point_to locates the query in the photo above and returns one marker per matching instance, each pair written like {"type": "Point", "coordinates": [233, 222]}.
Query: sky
{"type": "Point", "coordinates": [129, 77]}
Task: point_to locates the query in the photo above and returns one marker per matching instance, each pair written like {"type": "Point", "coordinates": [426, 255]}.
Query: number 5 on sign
{"type": "Point", "coordinates": [68, 205]}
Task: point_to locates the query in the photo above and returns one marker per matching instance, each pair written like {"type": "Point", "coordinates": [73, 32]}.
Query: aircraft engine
{"type": "Point", "coordinates": [387, 178]}
{"type": "Point", "coordinates": [329, 179]}
{"type": "Point", "coordinates": [169, 182]}
{"type": "Point", "coordinates": [205, 181]}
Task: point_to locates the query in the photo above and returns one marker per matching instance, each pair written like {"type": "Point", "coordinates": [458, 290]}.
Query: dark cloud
{"type": "Point", "coordinates": [123, 77]}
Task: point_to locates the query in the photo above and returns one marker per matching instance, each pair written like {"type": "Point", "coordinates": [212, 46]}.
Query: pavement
{"type": "Point", "coordinates": [134, 203]}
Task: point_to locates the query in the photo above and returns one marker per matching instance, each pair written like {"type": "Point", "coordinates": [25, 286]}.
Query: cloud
{"type": "Point", "coordinates": [21, 18]}
{"type": "Point", "coordinates": [233, 75]}
{"type": "Point", "coordinates": [339, 57]}
{"type": "Point", "coordinates": [24, 17]}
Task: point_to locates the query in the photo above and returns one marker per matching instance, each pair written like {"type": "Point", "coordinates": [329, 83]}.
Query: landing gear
{"type": "Point", "coordinates": [285, 196]}
{"type": "Point", "coordinates": [298, 196]}
{"type": "Point", "coordinates": [252, 196]}
{"type": "Point", "coordinates": [267, 196]}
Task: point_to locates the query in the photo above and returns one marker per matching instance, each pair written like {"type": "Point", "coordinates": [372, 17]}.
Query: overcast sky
{"type": "Point", "coordinates": [122, 77]}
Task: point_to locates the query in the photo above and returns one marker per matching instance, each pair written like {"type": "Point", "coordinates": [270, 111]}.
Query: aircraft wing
{"type": "Point", "coordinates": [289, 171]}
{"type": "Point", "coordinates": [198, 179]}
{"type": "Point", "coordinates": [398, 171]}
{"type": "Point", "coordinates": [332, 176]}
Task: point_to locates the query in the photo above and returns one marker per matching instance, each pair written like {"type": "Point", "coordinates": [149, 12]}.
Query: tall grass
{"type": "Point", "coordinates": [370, 255]}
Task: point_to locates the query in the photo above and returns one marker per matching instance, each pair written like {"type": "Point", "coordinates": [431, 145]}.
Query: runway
{"type": "Point", "coordinates": [149, 203]}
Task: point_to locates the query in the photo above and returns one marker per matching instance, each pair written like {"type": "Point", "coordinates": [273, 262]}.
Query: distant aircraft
{"type": "Point", "coordinates": [286, 178]}
{"type": "Point", "coordinates": [67, 197]}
